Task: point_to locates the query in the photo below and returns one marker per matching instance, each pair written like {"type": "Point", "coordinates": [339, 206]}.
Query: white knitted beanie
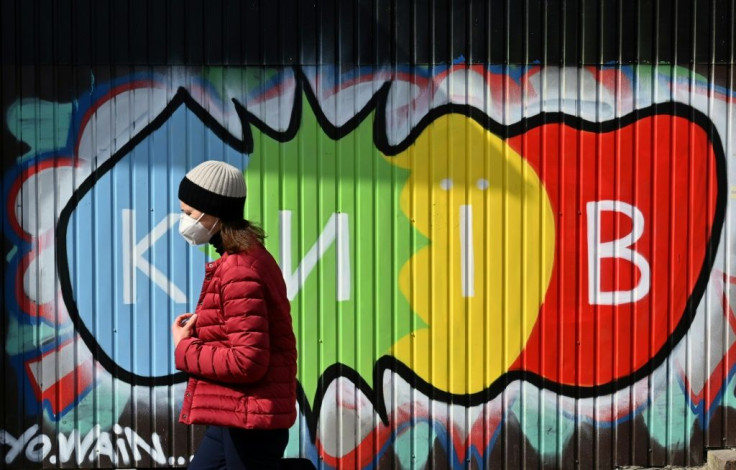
{"type": "Point", "coordinates": [215, 188]}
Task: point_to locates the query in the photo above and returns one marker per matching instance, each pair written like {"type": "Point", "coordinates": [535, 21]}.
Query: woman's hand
{"type": "Point", "coordinates": [183, 327]}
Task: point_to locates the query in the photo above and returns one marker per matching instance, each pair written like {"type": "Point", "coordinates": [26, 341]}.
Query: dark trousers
{"type": "Point", "coordinates": [225, 448]}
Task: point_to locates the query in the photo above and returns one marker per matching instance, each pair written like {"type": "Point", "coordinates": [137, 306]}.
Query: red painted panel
{"type": "Point", "coordinates": [665, 167]}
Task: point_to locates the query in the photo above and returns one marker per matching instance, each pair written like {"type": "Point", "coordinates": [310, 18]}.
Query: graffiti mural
{"type": "Point", "coordinates": [488, 265]}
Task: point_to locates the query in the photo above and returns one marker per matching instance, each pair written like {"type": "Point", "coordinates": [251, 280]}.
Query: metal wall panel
{"type": "Point", "coordinates": [366, 32]}
{"type": "Point", "coordinates": [490, 265]}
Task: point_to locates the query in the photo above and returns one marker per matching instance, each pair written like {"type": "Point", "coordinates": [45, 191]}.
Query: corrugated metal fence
{"type": "Point", "coordinates": [504, 228]}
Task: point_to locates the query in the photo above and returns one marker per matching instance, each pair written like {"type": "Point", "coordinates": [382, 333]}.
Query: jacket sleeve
{"type": "Point", "coordinates": [245, 359]}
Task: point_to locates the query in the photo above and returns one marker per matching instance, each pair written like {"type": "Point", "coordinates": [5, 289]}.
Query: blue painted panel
{"type": "Point", "coordinates": [140, 273]}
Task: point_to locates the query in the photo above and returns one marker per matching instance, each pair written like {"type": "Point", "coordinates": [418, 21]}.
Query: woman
{"type": "Point", "coordinates": [238, 347]}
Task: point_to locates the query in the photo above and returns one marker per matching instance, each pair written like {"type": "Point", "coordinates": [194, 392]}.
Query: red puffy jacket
{"type": "Point", "coordinates": [242, 356]}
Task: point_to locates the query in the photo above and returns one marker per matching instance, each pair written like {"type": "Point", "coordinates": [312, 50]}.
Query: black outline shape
{"type": "Point", "coordinates": [388, 363]}
{"type": "Point", "coordinates": [335, 132]}
{"type": "Point", "coordinates": [181, 97]}
{"type": "Point", "coordinates": [246, 117]}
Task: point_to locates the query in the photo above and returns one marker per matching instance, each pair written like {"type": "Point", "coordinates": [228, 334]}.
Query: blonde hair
{"type": "Point", "coordinates": [240, 235]}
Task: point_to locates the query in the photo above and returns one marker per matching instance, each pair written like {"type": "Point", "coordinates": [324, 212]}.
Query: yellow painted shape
{"type": "Point", "coordinates": [465, 178]}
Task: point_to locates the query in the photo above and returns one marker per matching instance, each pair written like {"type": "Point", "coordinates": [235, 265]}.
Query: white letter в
{"type": "Point", "coordinates": [615, 249]}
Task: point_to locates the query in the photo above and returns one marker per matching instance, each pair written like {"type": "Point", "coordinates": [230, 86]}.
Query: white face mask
{"type": "Point", "coordinates": [193, 231]}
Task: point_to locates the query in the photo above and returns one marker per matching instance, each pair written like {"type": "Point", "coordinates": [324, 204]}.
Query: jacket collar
{"type": "Point", "coordinates": [212, 265]}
